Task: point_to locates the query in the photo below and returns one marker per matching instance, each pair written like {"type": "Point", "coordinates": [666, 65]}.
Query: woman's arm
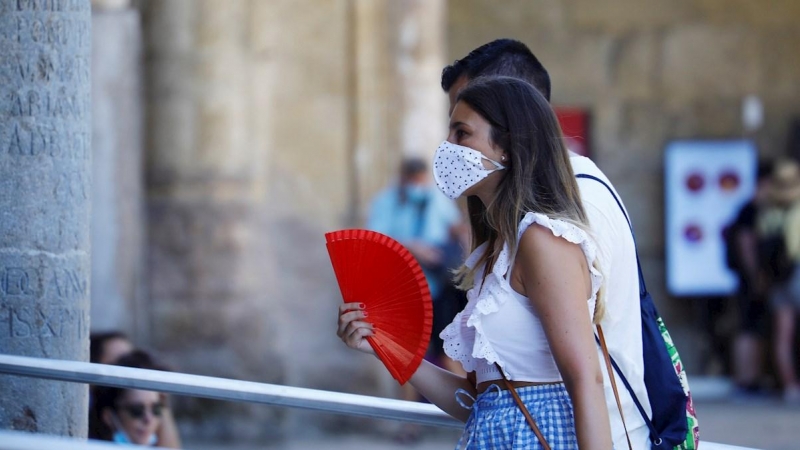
{"type": "Point", "coordinates": [436, 384]}
{"type": "Point", "coordinates": [555, 277]}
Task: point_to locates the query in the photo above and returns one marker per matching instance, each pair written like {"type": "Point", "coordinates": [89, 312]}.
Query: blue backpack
{"type": "Point", "coordinates": [674, 422]}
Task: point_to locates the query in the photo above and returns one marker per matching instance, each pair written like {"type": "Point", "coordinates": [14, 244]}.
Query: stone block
{"type": "Point", "coordinates": [707, 118]}
{"type": "Point", "coordinates": [634, 66]}
{"type": "Point", "coordinates": [623, 16]}
{"type": "Point", "coordinates": [761, 14]}
{"type": "Point", "coordinates": [642, 191]}
{"type": "Point", "coordinates": [642, 133]}
{"type": "Point", "coordinates": [110, 5]}
{"type": "Point", "coordinates": [708, 61]}
{"type": "Point", "coordinates": [583, 74]}
{"type": "Point", "coordinates": [539, 24]}
{"type": "Point", "coordinates": [781, 71]}
{"type": "Point", "coordinates": [117, 184]}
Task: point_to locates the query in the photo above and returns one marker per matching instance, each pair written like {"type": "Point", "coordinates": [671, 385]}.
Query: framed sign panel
{"type": "Point", "coordinates": [706, 183]}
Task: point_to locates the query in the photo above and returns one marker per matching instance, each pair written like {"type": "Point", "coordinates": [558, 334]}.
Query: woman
{"type": "Point", "coordinates": [532, 277]}
{"type": "Point", "coordinates": [128, 416]}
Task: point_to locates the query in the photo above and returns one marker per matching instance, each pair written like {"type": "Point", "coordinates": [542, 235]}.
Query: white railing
{"type": "Point", "coordinates": [219, 389]}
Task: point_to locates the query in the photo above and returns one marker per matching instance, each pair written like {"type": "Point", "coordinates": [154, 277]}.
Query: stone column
{"type": "Point", "coordinates": [45, 182]}
{"type": "Point", "coordinates": [208, 274]}
{"type": "Point", "coordinates": [400, 110]}
{"type": "Point", "coordinates": [419, 60]}
{"type": "Point", "coordinates": [117, 188]}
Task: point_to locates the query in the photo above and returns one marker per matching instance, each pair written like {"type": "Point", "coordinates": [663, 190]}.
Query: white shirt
{"type": "Point", "coordinates": [501, 326]}
{"type": "Point", "coordinates": [621, 323]}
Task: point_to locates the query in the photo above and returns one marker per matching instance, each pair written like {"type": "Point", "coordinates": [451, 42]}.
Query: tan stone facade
{"type": "Point", "coordinates": [268, 123]}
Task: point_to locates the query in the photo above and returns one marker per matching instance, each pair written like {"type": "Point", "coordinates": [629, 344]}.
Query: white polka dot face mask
{"type": "Point", "coordinates": [456, 168]}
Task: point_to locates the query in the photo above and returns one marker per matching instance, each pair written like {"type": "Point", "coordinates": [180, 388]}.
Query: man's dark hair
{"type": "Point", "coordinates": [506, 57]}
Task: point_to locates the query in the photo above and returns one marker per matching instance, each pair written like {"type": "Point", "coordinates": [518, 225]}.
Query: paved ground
{"type": "Point", "coordinates": [762, 424]}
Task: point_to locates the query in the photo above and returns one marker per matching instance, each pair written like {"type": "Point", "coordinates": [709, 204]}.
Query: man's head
{"type": "Point", "coordinates": [505, 57]}
{"type": "Point", "coordinates": [413, 170]}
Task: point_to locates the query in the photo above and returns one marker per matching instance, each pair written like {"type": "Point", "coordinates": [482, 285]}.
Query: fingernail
{"type": "Point", "coordinates": [364, 313]}
{"type": "Point", "coordinates": [362, 306]}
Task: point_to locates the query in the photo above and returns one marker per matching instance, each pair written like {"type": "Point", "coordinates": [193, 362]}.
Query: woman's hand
{"type": "Point", "coordinates": [353, 329]}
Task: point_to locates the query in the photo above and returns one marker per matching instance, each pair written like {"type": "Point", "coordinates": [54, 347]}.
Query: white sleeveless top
{"type": "Point", "coordinates": [499, 325]}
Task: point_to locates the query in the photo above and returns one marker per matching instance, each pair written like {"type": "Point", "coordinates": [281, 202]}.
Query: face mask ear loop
{"type": "Point", "coordinates": [496, 164]}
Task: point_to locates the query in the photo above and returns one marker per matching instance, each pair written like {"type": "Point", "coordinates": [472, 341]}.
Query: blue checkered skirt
{"type": "Point", "coordinates": [497, 423]}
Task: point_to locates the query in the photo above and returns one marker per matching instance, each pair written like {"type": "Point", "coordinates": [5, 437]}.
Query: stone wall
{"type": "Point", "coordinates": [268, 123]}
{"type": "Point", "coordinates": [649, 75]}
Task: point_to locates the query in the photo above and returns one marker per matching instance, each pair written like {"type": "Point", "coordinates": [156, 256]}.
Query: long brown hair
{"type": "Point", "coordinates": [538, 175]}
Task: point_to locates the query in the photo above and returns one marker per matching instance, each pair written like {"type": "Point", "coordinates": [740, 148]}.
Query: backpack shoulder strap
{"type": "Point", "coordinates": [642, 293]}
{"type": "Point", "coordinates": [642, 285]}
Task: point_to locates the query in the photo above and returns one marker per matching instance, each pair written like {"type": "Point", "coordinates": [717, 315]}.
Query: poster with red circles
{"type": "Point", "coordinates": [706, 183]}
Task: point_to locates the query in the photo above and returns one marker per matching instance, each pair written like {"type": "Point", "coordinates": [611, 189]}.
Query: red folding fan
{"type": "Point", "coordinates": [376, 270]}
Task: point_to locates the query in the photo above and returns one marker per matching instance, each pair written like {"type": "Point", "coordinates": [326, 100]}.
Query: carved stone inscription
{"type": "Point", "coordinates": [43, 302]}
{"type": "Point", "coordinates": [45, 127]}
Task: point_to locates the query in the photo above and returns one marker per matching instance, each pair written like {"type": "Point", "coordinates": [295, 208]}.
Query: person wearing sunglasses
{"type": "Point", "coordinates": [128, 416]}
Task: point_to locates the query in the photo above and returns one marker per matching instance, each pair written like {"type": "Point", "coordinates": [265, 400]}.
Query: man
{"type": "Point", "coordinates": [622, 321]}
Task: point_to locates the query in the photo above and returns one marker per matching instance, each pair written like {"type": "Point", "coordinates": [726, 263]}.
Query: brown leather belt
{"type": "Point", "coordinates": [516, 384]}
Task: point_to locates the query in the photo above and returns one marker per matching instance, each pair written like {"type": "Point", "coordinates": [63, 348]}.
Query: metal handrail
{"type": "Point", "coordinates": [20, 440]}
{"type": "Point", "coordinates": [221, 389]}
{"type": "Point", "coordinates": [226, 389]}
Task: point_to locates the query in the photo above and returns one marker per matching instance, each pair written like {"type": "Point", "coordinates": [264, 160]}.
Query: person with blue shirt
{"type": "Point", "coordinates": [415, 213]}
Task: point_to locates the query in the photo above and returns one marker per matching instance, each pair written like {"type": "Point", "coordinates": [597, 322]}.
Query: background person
{"type": "Point", "coordinates": [128, 416]}
{"type": "Point", "coordinates": [428, 224]}
{"type": "Point", "coordinates": [114, 347]}
{"type": "Point", "coordinates": [742, 257]}
{"type": "Point", "coordinates": [779, 255]}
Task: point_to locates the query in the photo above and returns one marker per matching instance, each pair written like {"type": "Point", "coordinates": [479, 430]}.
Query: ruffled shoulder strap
{"type": "Point", "coordinates": [573, 234]}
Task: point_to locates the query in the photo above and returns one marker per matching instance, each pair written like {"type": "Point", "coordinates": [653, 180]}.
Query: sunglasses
{"type": "Point", "coordinates": [137, 410]}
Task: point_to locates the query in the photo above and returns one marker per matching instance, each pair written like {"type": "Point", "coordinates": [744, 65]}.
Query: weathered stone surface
{"type": "Point", "coordinates": [475, 22]}
{"type": "Point", "coordinates": [583, 74]}
{"type": "Point", "coordinates": [634, 64]}
{"type": "Point", "coordinates": [706, 61]}
{"type": "Point", "coordinates": [761, 14]}
{"type": "Point", "coordinates": [45, 184]}
{"type": "Point", "coordinates": [110, 5]}
{"type": "Point", "coordinates": [709, 118]}
{"type": "Point", "coordinates": [780, 71]}
{"type": "Point", "coordinates": [621, 16]}
{"type": "Point", "coordinates": [117, 181]}
{"type": "Point", "coordinates": [209, 263]}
